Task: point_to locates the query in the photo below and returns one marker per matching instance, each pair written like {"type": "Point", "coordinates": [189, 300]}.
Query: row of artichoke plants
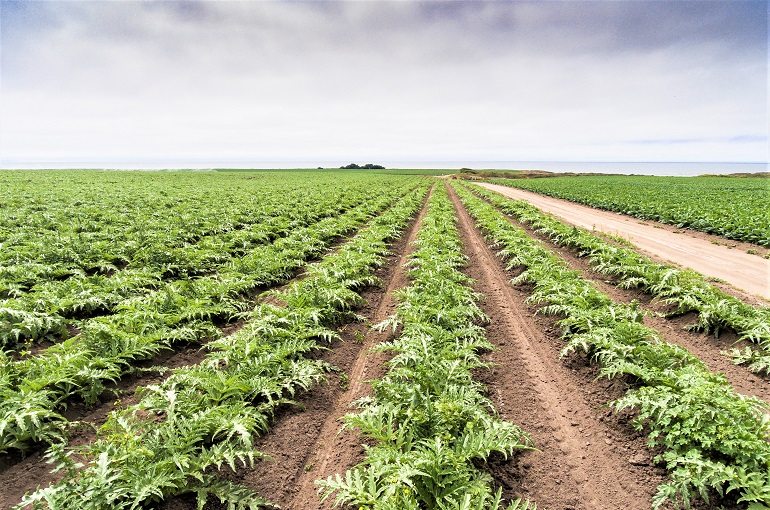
{"type": "Point", "coordinates": [429, 418]}
{"type": "Point", "coordinates": [46, 309]}
{"type": "Point", "coordinates": [34, 389]}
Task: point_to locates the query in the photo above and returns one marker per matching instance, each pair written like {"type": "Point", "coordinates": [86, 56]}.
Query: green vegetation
{"type": "Point", "coordinates": [202, 418]}
{"type": "Point", "coordinates": [367, 166]}
{"type": "Point", "coordinates": [729, 207]}
{"type": "Point", "coordinates": [712, 437]}
{"type": "Point", "coordinates": [173, 311]}
{"type": "Point", "coordinates": [428, 415]}
{"type": "Point", "coordinates": [100, 272]}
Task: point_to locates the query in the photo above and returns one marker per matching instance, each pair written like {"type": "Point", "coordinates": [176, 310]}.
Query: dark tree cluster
{"type": "Point", "coordinates": [368, 166]}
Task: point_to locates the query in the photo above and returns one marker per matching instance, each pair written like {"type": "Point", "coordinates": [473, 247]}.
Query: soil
{"type": "Point", "coordinates": [712, 256]}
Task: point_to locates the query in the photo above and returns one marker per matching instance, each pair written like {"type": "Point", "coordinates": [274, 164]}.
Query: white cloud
{"type": "Point", "coordinates": [266, 81]}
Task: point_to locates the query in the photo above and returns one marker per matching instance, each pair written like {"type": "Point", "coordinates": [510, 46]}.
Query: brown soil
{"type": "Point", "coordinates": [710, 255]}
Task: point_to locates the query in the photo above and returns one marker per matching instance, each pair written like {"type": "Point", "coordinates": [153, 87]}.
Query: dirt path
{"type": "Point", "coordinates": [747, 272]}
{"type": "Point", "coordinates": [588, 459]}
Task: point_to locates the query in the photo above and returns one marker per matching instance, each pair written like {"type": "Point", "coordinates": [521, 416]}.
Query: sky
{"type": "Point", "coordinates": [372, 81]}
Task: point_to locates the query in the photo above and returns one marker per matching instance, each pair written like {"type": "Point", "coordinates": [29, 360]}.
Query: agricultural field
{"type": "Point", "coordinates": [373, 340]}
{"type": "Point", "coordinates": [734, 208]}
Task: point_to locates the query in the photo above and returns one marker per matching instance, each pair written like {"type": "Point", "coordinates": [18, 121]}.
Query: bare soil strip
{"type": "Point", "coordinates": [305, 442]}
{"type": "Point", "coordinates": [706, 254]}
{"type": "Point", "coordinates": [588, 458]}
{"type": "Point", "coordinates": [337, 451]}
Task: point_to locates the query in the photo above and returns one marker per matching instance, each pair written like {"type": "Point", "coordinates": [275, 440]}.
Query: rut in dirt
{"type": "Point", "coordinates": [587, 459]}
{"type": "Point", "coordinates": [305, 442]}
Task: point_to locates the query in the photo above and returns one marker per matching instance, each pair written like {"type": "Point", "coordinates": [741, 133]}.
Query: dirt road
{"type": "Point", "coordinates": [744, 271]}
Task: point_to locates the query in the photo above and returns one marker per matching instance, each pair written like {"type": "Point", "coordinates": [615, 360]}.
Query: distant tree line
{"type": "Point", "coordinates": [368, 166]}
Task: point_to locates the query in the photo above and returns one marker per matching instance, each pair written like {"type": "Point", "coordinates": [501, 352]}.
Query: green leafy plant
{"type": "Point", "coordinates": [203, 418]}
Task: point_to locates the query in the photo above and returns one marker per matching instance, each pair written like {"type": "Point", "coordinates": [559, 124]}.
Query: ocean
{"type": "Point", "coordinates": [616, 167]}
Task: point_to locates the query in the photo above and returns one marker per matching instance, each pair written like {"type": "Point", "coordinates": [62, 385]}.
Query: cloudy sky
{"type": "Point", "coordinates": [257, 81]}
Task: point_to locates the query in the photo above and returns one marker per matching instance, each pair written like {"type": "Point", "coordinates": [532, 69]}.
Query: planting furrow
{"type": "Point", "coordinates": [339, 450]}
{"type": "Point", "coordinates": [304, 441]}
{"type": "Point", "coordinates": [685, 289]}
{"type": "Point", "coordinates": [34, 388]}
{"type": "Point", "coordinates": [582, 462]}
{"type": "Point", "coordinates": [431, 424]}
{"type": "Point", "coordinates": [713, 441]}
{"type": "Point", "coordinates": [205, 418]}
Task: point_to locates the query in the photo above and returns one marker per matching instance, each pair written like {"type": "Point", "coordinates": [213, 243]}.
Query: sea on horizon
{"type": "Point", "coordinates": [618, 167]}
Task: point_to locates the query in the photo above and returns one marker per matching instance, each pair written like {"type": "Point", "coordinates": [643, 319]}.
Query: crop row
{"type": "Point", "coordinates": [685, 289]}
{"type": "Point", "coordinates": [49, 306]}
{"type": "Point", "coordinates": [34, 387]}
{"type": "Point", "coordinates": [55, 225]}
{"type": "Point", "coordinates": [202, 418]}
{"type": "Point", "coordinates": [712, 438]}
{"type": "Point", "coordinates": [428, 415]}
{"type": "Point", "coordinates": [729, 207]}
